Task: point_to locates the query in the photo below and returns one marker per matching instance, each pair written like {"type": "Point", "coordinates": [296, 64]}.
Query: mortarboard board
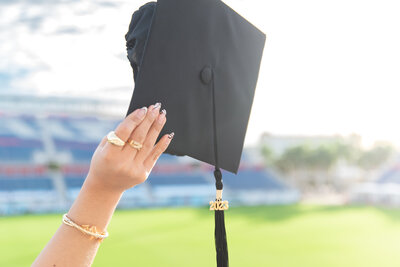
{"type": "Point", "coordinates": [200, 59]}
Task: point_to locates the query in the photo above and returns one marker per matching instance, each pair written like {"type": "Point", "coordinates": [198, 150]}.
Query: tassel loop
{"type": "Point", "coordinates": [218, 174]}
{"type": "Point", "coordinates": [218, 179]}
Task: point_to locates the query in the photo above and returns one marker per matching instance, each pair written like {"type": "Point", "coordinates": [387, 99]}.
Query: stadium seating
{"type": "Point", "coordinates": [252, 180]}
{"type": "Point", "coordinates": [16, 154]}
{"type": "Point", "coordinates": [23, 183]}
{"type": "Point", "coordinates": [166, 158]}
{"type": "Point", "coordinates": [79, 151]}
{"type": "Point", "coordinates": [385, 190]}
{"type": "Point", "coordinates": [391, 176]}
{"type": "Point", "coordinates": [177, 179]}
{"type": "Point", "coordinates": [74, 182]}
{"type": "Point", "coordinates": [69, 143]}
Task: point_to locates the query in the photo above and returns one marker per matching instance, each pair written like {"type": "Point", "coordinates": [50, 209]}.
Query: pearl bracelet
{"type": "Point", "coordinates": [90, 230]}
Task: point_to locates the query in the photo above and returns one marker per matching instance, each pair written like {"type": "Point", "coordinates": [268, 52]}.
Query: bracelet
{"type": "Point", "coordinates": [89, 230]}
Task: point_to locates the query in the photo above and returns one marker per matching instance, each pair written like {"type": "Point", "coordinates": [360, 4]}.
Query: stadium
{"type": "Point", "coordinates": [42, 168]}
{"type": "Point", "coordinates": [45, 159]}
{"type": "Point", "coordinates": [319, 177]}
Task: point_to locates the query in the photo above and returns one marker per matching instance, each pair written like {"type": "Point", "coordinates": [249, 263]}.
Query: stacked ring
{"type": "Point", "coordinates": [112, 138]}
{"type": "Point", "coordinates": [135, 145]}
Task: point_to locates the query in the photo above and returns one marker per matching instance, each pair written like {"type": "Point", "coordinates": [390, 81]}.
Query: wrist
{"type": "Point", "coordinates": [94, 184]}
{"type": "Point", "coordinates": [95, 204]}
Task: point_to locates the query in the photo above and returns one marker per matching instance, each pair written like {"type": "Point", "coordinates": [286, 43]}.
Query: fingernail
{"type": "Point", "coordinates": [162, 116]}
{"type": "Point", "coordinates": [156, 106]}
{"type": "Point", "coordinates": [171, 135]}
{"type": "Point", "coordinates": [142, 112]}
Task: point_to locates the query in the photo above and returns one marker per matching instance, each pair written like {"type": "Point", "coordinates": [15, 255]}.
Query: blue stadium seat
{"type": "Point", "coordinates": [177, 179]}
{"type": "Point", "coordinates": [21, 183]}
{"type": "Point", "coordinates": [80, 155]}
{"type": "Point", "coordinates": [80, 151]}
{"type": "Point", "coordinates": [16, 154]}
{"type": "Point", "coordinates": [252, 180]}
{"type": "Point", "coordinates": [18, 140]}
{"type": "Point", "coordinates": [164, 158]}
{"type": "Point", "coordinates": [74, 182]}
{"type": "Point", "coordinates": [391, 176]}
{"type": "Point", "coordinates": [31, 122]}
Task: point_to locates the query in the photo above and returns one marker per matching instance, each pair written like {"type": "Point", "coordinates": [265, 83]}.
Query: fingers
{"type": "Point", "coordinates": [152, 136]}
{"type": "Point", "coordinates": [158, 149]}
{"type": "Point", "coordinates": [139, 134]}
{"type": "Point", "coordinates": [126, 127]}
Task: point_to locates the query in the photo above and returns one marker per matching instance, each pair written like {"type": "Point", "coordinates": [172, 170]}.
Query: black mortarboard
{"type": "Point", "coordinates": [200, 59]}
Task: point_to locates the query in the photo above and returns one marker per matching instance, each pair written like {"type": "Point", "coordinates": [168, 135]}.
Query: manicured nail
{"type": "Point", "coordinates": [157, 105]}
{"type": "Point", "coordinates": [142, 112]}
{"type": "Point", "coordinates": [171, 135]}
{"type": "Point", "coordinates": [162, 116]}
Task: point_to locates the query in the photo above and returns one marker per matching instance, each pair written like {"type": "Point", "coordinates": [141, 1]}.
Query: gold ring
{"type": "Point", "coordinates": [135, 144]}
{"type": "Point", "coordinates": [112, 138]}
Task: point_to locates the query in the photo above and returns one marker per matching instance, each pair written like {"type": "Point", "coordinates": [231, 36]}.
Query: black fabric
{"type": "Point", "coordinates": [221, 246]}
{"type": "Point", "coordinates": [218, 179]}
{"type": "Point", "coordinates": [137, 35]}
{"type": "Point", "coordinates": [191, 47]}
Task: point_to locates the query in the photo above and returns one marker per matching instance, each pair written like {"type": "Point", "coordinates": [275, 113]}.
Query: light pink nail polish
{"type": "Point", "coordinates": [142, 112]}
{"type": "Point", "coordinates": [156, 108]}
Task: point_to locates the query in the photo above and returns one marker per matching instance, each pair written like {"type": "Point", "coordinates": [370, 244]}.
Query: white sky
{"type": "Point", "coordinates": [328, 66]}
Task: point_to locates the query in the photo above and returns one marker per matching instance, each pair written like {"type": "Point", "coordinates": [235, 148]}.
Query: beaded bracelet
{"type": "Point", "coordinates": [89, 230]}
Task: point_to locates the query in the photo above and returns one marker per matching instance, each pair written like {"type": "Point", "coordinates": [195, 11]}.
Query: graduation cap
{"type": "Point", "coordinates": [201, 60]}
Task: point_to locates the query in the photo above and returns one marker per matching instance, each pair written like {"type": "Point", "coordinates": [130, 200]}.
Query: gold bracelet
{"type": "Point", "coordinates": [89, 230]}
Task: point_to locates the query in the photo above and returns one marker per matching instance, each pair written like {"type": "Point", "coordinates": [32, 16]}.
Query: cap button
{"type": "Point", "coordinates": [206, 75]}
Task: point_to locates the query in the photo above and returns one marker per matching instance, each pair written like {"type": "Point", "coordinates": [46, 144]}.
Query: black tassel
{"type": "Point", "coordinates": [221, 246]}
{"type": "Point", "coordinates": [220, 239]}
{"type": "Point", "coordinates": [218, 205]}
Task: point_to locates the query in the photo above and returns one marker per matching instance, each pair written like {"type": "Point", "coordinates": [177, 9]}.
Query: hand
{"type": "Point", "coordinates": [114, 168]}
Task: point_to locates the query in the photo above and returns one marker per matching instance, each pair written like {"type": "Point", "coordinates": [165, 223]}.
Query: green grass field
{"type": "Point", "coordinates": [257, 236]}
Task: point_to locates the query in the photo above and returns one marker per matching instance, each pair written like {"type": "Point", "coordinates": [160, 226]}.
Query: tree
{"type": "Point", "coordinates": [321, 158]}
{"type": "Point", "coordinates": [375, 157]}
{"type": "Point", "coordinates": [268, 155]}
{"type": "Point", "coordinates": [293, 158]}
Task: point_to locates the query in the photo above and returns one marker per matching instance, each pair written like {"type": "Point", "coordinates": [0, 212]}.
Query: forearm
{"type": "Point", "coordinates": [70, 247]}
{"type": "Point", "coordinates": [114, 168]}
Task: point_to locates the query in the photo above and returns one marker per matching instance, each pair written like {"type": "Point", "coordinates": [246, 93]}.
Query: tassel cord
{"type": "Point", "coordinates": [221, 246]}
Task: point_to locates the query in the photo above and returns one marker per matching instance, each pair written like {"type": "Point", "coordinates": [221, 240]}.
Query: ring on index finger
{"type": "Point", "coordinates": [112, 138]}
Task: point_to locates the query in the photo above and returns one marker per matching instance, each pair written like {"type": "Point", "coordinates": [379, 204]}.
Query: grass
{"type": "Point", "coordinates": [281, 236]}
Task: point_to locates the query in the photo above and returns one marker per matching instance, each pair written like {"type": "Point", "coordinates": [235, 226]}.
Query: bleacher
{"type": "Point", "coordinates": [13, 153]}
{"type": "Point", "coordinates": [391, 176]}
{"type": "Point", "coordinates": [252, 179]}
{"type": "Point", "coordinates": [44, 161]}
{"type": "Point", "coordinates": [175, 179]}
{"type": "Point", "coordinates": [20, 183]}
{"type": "Point", "coordinates": [385, 190]}
{"type": "Point", "coordinates": [72, 182]}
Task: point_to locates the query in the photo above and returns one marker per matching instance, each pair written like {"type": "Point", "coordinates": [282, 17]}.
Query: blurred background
{"type": "Point", "coordinates": [319, 180]}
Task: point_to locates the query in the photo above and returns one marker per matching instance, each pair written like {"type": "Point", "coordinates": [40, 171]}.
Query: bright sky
{"type": "Point", "coordinates": [328, 67]}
